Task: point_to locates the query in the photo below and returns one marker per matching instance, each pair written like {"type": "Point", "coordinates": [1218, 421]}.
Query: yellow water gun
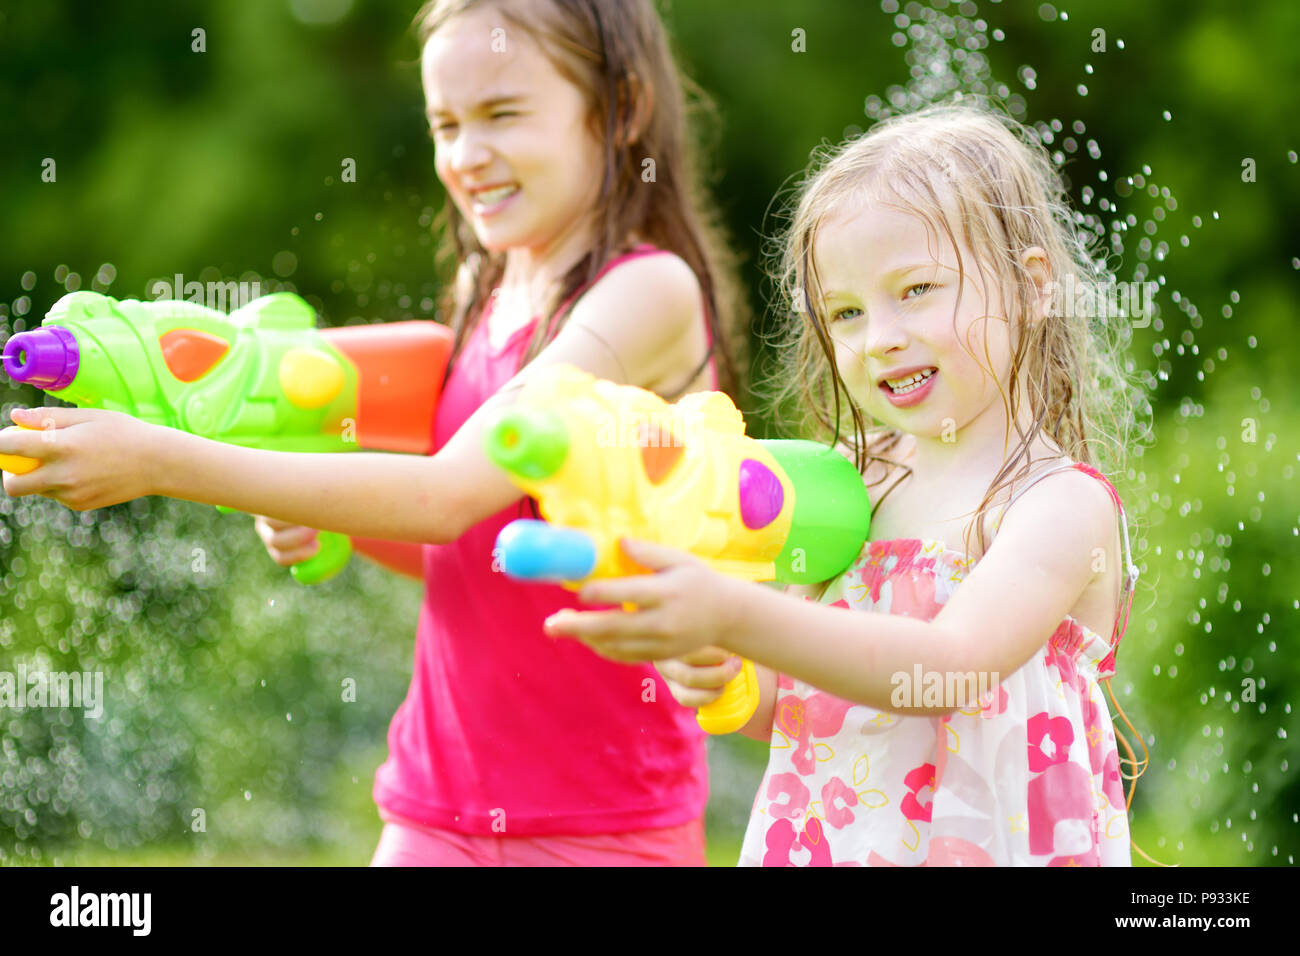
{"type": "Point", "coordinates": [606, 461]}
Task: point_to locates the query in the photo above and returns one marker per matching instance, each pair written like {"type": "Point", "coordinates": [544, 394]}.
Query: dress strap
{"type": "Point", "coordinates": [643, 249]}
{"type": "Point", "coordinates": [636, 252]}
{"type": "Point", "coordinates": [1129, 571]}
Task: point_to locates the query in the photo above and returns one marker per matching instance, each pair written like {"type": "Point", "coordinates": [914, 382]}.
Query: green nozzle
{"type": "Point", "coordinates": [528, 444]}
{"type": "Point", "coordinates": [832, 512]}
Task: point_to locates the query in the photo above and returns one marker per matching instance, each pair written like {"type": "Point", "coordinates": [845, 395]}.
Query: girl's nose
{"type": "Point", "coordinates": [885, 335]}
{"type": "Point", "coordinates": [468, 152]}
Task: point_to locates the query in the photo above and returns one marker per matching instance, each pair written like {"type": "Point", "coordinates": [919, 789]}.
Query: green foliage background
{"type": "Point", "coordinates": [224, 684]}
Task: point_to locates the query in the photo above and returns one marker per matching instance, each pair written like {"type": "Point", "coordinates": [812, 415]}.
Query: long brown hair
{"type": "Point", "coordinates": [614, 53]}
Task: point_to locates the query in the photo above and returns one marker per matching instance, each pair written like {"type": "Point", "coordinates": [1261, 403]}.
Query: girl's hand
{"type": "Point", "coordinates": [683, 607]}
{"type": "Point", "coordinates": [89, 458]}
{"type": "Point", "coordinates": [698, 678]}
{"type": "Point", "coordinates": [288, 544]}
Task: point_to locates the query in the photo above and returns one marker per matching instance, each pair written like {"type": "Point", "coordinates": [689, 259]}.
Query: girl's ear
{"type": "Point", "coordinates": [636, 102]}
{"type": "Point", "coordinates": [1034, 260]}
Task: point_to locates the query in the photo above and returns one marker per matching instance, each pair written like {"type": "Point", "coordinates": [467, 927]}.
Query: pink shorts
{"type": "Point", "coordinates": [407, 843]}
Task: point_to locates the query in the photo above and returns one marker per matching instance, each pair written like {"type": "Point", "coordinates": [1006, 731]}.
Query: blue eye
{"type": "Point", "coordinates": [843, 314]}
{"type": "Point", "coordinates": [924, 286]}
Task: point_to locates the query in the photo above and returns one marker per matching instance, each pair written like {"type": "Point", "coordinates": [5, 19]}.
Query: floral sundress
{"type": "Point", "coordinates": [1028, 776]}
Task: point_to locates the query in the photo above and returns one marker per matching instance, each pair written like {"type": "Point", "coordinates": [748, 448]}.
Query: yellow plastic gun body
{"type": "Point", "coordinates": [605, 461]}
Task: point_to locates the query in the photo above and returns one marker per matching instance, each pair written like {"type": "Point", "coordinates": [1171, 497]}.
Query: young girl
{"type": "Point", "coordinates": [961, 721]}
{"type": "Point", "coordinates": [579, 234]}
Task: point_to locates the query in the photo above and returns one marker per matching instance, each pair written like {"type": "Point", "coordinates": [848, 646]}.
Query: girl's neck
{"type": "Point", "coordinates": [533, 273]}
{"type": "Point", "coordinates": [980, 449]}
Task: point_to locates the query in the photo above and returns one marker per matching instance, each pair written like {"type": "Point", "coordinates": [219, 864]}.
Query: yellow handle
{"type": "Point", "coordinates": [17, 464]}
{"type": "Point", "coordinates": [737, 704]}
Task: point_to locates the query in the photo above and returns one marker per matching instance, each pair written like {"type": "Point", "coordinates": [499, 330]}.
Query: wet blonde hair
{"type": "Point", "coordinates": [977, 177]}
{"type": "Point", "coordinates": [982, 181]}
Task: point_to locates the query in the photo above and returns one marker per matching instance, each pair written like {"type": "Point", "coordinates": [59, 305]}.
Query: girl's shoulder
{"type": "Point", "coordinates": [647, 308]}
{"type": "Point", "coordinates": [646, 270]}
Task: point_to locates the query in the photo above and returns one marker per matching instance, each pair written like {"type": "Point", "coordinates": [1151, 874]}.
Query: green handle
{"type": "Point", "coordinates": [334, 554]}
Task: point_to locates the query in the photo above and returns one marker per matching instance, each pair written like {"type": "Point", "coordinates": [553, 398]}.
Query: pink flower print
{"type": "Point", "coordinates": [1112, 785]}
{"type": "Point", "coordinates": [825, 713]}
{"type": "Point", "coordinates": [994, 702]}
{"type": "Point", "coordinates": [1107, 666]}
{"type": "Point", "coordinates": [1065, 666]}
{"type": "Point", "coordinates": [1061, 819]}
{"type": "Point", "coordinates": [787, 785]}
{"type": "Point", "coordinates": [836, 789]}
{"type": "Point", "coordinates": [821, 715]}
{"type": "Point", "coordinates": [1095, 734]}
{"type": "Point", "coordinates": [784, 682]}
{"type": "Point", "coordinates": [789, 716]}
{"type": "Point", "coordinates": [840, 603]}
{"type": "Point", "coordinates": [814, 839]}
{"type": "Point", "coordinates": [1049, 741]}
{"type": "Point", "coordinates": [905, 550]}
{"type": "Point", "coordinates": [779, 841]}
{"type": "Point", "coordinates": [913, 596]}
{"type": "Point", "coordinates": [918, 779]}
{"type": "Point", "coordinates": [954, 851]}
{"type": "Point", "coordinates": [1089, 858]}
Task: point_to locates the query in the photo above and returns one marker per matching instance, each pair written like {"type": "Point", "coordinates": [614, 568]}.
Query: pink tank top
{"type": "Point", "coordinates": [504, 730]}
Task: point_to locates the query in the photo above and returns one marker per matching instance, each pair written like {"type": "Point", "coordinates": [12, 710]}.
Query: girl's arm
{"type": "Point", "coordinates": [631, 327]}
{"type": "Point", "coordinates": [760, 725]}
{"type": "Point", "coordinates": [1039, 565]}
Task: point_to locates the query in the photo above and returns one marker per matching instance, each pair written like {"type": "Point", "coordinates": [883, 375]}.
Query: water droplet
{"type": "Point", "coordinates": [1167, 115]}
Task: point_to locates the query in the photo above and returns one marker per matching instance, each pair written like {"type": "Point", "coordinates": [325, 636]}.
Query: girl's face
{"type": "Point", "coordinates": [511, 135]}
{"type": "Point", "coordinates": [890, 299]}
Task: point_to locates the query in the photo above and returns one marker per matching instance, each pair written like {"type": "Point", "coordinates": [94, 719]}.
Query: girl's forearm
{"type": "Point", "coordinates": [859, 656]}
{"type": "Point", "coordinates": [366, 494]}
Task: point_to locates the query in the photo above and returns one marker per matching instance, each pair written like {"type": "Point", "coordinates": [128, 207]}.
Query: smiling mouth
{"type": "Point", "coordinates": [909, 383]}
{"type": "Point", "coordinates": [489, 198]}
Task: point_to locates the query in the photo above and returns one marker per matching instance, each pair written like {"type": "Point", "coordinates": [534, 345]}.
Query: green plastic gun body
{"type": "Point", "coordinates": [262, 377]}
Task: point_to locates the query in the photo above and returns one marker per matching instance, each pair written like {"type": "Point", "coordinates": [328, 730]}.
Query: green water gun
{"type": "Point", "coordinates": [263, 377]}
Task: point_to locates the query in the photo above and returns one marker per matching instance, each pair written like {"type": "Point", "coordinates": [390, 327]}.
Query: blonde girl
{"type": "Point", "coordinates": [940, 701]}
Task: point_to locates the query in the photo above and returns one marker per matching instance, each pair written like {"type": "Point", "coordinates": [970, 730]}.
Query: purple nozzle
{"type": "Point", "coordinates": [47, 357]}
